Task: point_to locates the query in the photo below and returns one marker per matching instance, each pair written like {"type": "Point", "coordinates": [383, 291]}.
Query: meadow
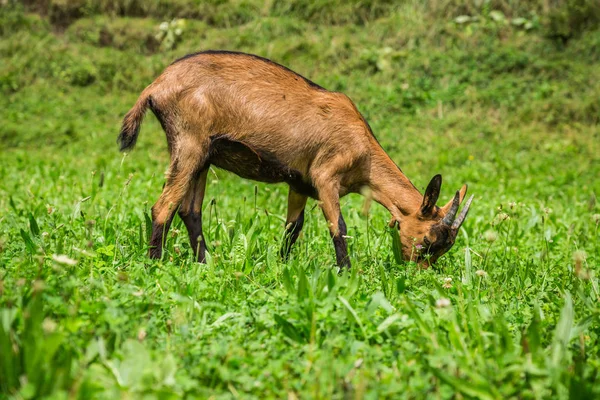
{"type": "Point", "coordinates": [501, 95]}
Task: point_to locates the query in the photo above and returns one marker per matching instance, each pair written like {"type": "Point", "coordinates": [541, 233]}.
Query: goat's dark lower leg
{"type": "Point", "coordinates": [190, 213]}
{"type": "Point", "coordinates": [340, 245]}
{"type": "Point", "coordinates": [159, 231]}
{"type": "Point", "coordinates": [330, 204]}
{"type": "Point", "coordinates": [193, 223]}
{"type": "Point", "coordinates": [292, 231]}
{"type": "Point", "coordinates": [293, 222]}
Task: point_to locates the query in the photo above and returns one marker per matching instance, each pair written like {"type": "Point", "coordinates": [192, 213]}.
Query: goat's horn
{"type": "Point", "coordinates": [463, 214]}
{"type": "Point", "coordinates": [449, 218]}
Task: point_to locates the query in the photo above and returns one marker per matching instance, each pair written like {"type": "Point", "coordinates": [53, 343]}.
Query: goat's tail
{"type": "Point", "coordinates": [132, 121]}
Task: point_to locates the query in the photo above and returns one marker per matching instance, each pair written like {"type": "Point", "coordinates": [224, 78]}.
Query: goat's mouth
{"type": "Point", "coordinates": [446, 231]}
{"type": "Point", "coordinates": [450, 226]}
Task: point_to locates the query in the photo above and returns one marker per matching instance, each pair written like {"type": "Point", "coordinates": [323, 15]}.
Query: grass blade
{"type": "Point", "coordinates": [355, 315]}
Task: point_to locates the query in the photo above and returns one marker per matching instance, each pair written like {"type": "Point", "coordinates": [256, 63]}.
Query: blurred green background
{"type": "Point", "coordinates": [501, 94]}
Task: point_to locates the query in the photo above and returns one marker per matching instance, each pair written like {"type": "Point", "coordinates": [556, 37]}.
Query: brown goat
{"type": "Point", "coordinates": [262, 121]}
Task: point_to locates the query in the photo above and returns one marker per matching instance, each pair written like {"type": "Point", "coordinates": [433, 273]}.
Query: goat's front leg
{"type": "Point", "coordinates": [190, 213]}
{"type": "Point", "coordinates": [330, 204]}
{"type": "Point", "coordinates": [293, 222]}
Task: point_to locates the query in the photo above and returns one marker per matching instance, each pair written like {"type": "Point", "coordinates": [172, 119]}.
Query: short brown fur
{"type": "Point", "coordinates": [262, 121]}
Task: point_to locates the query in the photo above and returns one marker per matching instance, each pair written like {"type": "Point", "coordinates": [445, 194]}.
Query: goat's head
{"type": "Point", "coordinates": [430, 231]}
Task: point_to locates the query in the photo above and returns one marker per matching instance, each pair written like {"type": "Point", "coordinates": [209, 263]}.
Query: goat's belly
{"type": "Point", "coordinates": [255, 164]}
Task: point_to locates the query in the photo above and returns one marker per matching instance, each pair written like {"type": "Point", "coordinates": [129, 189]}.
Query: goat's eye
{"type": "Point", "coordinates": [426, 242]}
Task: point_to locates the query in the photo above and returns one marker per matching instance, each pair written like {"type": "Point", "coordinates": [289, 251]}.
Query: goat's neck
{"type": "Point", "coordinates": [390, 187]}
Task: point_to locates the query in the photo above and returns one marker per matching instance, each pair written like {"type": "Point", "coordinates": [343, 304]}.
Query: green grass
{"type": "Point", "coordinates": [85, 314]}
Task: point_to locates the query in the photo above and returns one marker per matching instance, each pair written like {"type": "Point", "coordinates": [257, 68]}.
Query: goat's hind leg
{"type": "Point", "coordinates": [186, 163]}
{"type": "Point", "coordinates": [293, 222]}
{"type": "Point", "coordinates": [190, 213]}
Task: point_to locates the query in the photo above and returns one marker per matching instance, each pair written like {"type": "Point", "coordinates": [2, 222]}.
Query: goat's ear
{"type": "Point", "coordinates": [431, 195]}
{"type": "Point", "coordinates": [462, 193]}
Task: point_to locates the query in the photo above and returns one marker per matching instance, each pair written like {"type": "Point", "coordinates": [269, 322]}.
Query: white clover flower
{"type": "Point", "coordinates": [49, 326]}
{"type": "Point", "coordinates": [490, 236]}
{"type": "Point", "coordinates": [443, 303]}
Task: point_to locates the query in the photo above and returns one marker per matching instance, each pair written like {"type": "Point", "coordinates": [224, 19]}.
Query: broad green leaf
{"type": "Point", "coordinates": [468, 267]}
{"type": "Point", "coordinates": [289, 329]}
{"type": "Point", "coordinates": [389, 321]}
{"type": "Point", "coordinates": [331, 279]}
{"type": "Point", "coordinates": [379, 300]}
{"type": "Point", "coordinates": [33, 226]}
{"type": "Point", "coordinates": [354, 315]}
{"type": "Point", "coordinates": [401, 284]}
{"type": "Point", "coordinates": [562, 333]}
{"type": "Point", "coordinates": [463, 386]}
{"type": "Point", "coordinates": [148, 226]}
{"type": "Point", "coordinates": [31, 247]}
{"type": "Point", "coordinates": [286, 279]}
{"type": "Point", "coordinates": [396, 245]}
{"type": "Point", "coordinates": [302, 284]}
